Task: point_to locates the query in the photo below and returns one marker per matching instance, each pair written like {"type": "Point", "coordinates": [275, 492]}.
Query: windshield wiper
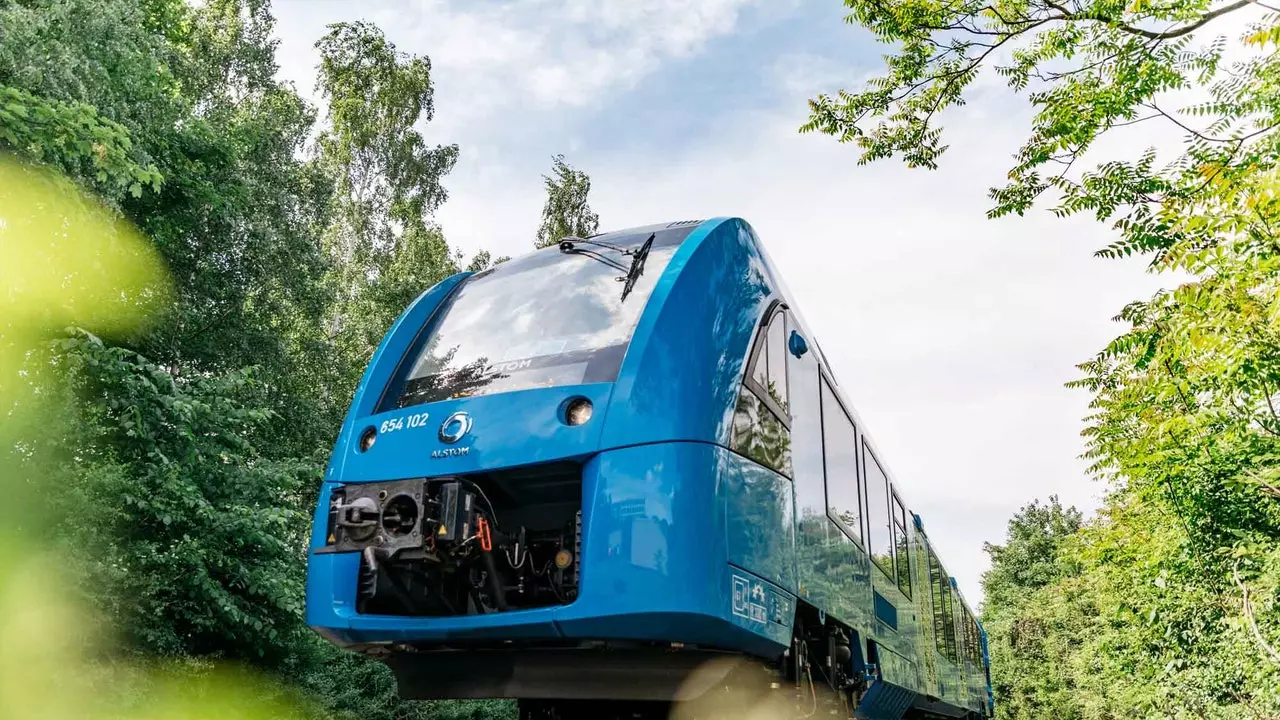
{"type": "Point", "coordinates": [633, 272]}
{"type": "Point", "coordinates": [637, 266]}
{"type": "Point", "coordinates": [570, 245]}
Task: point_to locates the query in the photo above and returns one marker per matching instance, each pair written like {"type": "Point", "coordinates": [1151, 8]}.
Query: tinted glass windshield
{"type": "Point", "coordinates": [547, 319]}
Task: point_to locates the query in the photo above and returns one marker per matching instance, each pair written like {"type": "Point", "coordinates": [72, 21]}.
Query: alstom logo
{"type": "Point", "coordinates": [450, 452]}
{"type": "Point", "coordinates": [511, 366]}
{"type": "Point", "coordinates": [454, 427]}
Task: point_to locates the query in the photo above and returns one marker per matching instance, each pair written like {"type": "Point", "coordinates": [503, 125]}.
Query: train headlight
{"type": "Point", "coordinates": [578, 411]}
{"type": "Point", "coordinates": [367, 438]}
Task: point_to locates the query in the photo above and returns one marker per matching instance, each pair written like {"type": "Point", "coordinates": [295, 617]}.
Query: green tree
{"type": "Point", "coordinates": [171, 113]}
{"type": "Point", "coordinates": [1128, 625]}
{"type": "Point", "coordinates": [187, 453]}
{"type": "Point", "coordinates": [483, 260]}
{"type": "Point", "coordinates": [196, 540]}
{"type": "Point", "coordinates": [1028, 673]}
{"type": "Point", "coordinates": [566, 212]}
{"type": "Point", "coordinates": [383, 247]}
{"type": "Point", "coordinates": [1029, 558]}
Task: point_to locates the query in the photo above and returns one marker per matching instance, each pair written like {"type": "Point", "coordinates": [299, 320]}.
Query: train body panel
{"type": "Point", "coordinates": [704, 308]}
{"type": "Point", "coordinates": [537, 457]}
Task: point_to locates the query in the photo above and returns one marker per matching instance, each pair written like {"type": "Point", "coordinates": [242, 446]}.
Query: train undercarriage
{"type": "Point", "coordinates": [824, 674]}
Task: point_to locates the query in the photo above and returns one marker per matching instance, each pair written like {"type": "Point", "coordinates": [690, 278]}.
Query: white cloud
{"type": "Point", "coordinates": [493, 63]}
{"type": "Point", "coordinates": [805, 75]}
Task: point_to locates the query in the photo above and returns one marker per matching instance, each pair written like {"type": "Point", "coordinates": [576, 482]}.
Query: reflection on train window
{"type": "Point", "coordinates": [840, 458]}
{"type": "Point", "coordinates": [944, 628]}
{"type": "Point", "coordinates": [759, 434]}
{"type": "Point", "coordinates": [975, 651]}
{"type": "Point", "coordinates": [760, 369]}
{"type": "Point", "coordinates": [901, 546]}
{"type": "Point", "coordinates": [760, 420]}
{"type": "Point", "coordinates": [777, 351]}
{"type": "Point", "coordinates": [768, 374]}
{"type": "Point", "coordinates": [548, 319]}
{"type": "Point", "coordinates": [879, 528]}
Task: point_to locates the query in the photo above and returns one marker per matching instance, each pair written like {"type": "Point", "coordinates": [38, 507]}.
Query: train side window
{"type": "Point", "coordinates": [949, 618]}
{"type": "Point", "coordinates": [935, 598]}
{"type": "Point", "coordinates": [768, 373]}
{"type": "Point", "coordinates": [970, 637]}
{"type": "Point", "coordinates": [777, 350]}
{"type": "Point", "coordinates": [975, 650]}
{"type": "Point", "coordinates": [760, 368]}
{"type": "Point", "coordinates": [761, 423]}
{"type": "Point", "coordinates": [977, 639]}
{"type": "Point", "coordinates": [879, 527]}
{"type": "Point", "coordinates": [840, 463]}
{"type": "Point", "coordinates": [902, 547]}
{"type": "Point", "coordinates": [944, 629]}
{"type": "Point", "coordinates": [759, 434]}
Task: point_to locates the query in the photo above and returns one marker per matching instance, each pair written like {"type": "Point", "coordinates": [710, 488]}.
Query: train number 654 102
{"type": "Point", "coordinates": [409, 421]}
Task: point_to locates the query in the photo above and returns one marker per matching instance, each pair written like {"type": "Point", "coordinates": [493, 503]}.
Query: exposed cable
{"type": "Point", "coordinates": [813, 690]}
{"type": "Point", "coordinates": [523, 558]}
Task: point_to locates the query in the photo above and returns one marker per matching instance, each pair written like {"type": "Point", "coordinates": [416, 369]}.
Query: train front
{"type": "Point", "coordinates": [510, 477]}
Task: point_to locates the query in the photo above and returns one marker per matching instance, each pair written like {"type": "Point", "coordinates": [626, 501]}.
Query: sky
{"type": "Point", "coordinates": [953, 335]}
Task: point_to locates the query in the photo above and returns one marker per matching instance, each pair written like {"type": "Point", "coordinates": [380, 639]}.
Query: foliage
{"type": "Point", "coordinates": [566, 212]}
{"type": "Point", "coordinates": [483, 260]}
{"type": "Point", "coordinates": [1029, 558]}
{"type": "Point", "coordinates": [73, 137]}
{"type": "Point", "coordinates": [197, 546]}
{"type": "Point", "coordinates": [86, 264]}
{"type": "Point", "coordinates": [189, 95]}
{"type": "Point", "coordinates": [1127, 624]}
{"type": "Point", "coordinates": [1088, 67]}
{"type": "Point", "coordinates": [1030, 675]}
{"type": "Point", "coordinates": [64, 257]}
{"type": "Point", "coordinates": [187, 449]}
{"type": "Point", "coordinates": [382, 246]}
{"type": "Point", "coordinates": [353, 687]}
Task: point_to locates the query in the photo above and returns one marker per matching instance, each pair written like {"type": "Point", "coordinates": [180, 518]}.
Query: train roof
{"type": "Point", "coordinates": [655, 227]}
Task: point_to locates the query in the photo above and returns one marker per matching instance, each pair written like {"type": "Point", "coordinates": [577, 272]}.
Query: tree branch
{"type": "Point", "coordinates": [1134, 122]}
{"type": "Point", "coordinates": [1165, 35]}
{"type": "Point", "coordinates": [1267, 391]}
{"type": "Point", "coordinates": [1180, 124]}
{"type": "Point", "coordinates": [1270, 653]}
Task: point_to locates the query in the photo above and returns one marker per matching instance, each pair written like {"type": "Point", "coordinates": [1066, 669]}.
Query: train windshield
{"type": "Point", "coordinates": [547, 319]}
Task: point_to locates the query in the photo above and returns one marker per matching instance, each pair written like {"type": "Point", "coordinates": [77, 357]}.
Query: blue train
{"type": "Point", "coordinates": [617, 477]}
